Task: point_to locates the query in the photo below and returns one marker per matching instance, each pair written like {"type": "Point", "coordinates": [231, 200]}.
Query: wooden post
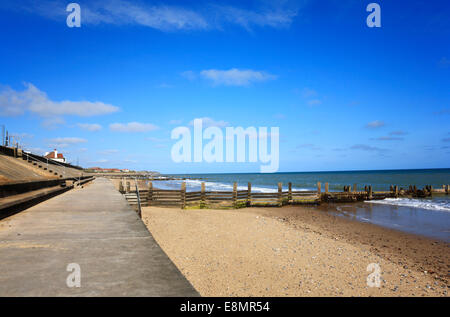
{"type": "Point", "coordinates": [203, 195]}
{"type": "Point", "coordinates": [235, 194]}
{"type": "Point", "coordinates": [319, 188]}
{"type": "Point", "coordinates": [121, 190]}
{"type": "Point", "coordinates": [366, 189]}
{"type": "Point", "coordinates": [391, 188]}
{"type": "Point", "coordinates": [150, 194]}
{"type": "Point", "coordinates": [138, 197]}
{"type": "Point", "coordinates": [326, 188]}
{"type": "Point", "coordinates": [415, 190]}
{"type": "Point", "coordinates": [290, 193]}
{"type": "Point", "coordinates": [447, 189]}
{"type": "Point", "coordinates": [354, 188]}
{"type": "Point", "coordinates": [280, 194]}
{"type": "Point", "coordinates": [183, 195]}
{"type": "Point", "coordinates": [396, 191]}
{"type": "Point", "coordinates": [370, 192]}
{"type": "Point", "coordinates": [128, 187]}
{"type": "Point", "coordinates": [249, 194]}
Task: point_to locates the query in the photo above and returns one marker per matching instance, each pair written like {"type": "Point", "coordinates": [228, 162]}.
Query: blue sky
{"type": "Point", "coordinates": [345, 96]}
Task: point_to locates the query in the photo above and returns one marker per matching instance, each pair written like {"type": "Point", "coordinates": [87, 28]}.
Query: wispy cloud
{"type": "Point", "coordinates": [368, 148]}
{"type": "Point", "coordinates": [64, 142]}
{"type": "Point", "coordinates": [387, 138]}
{"type": "Point", "coordinates": [375, 124]}
{"type": "Point", "coordinates": [205, 15]}
{"type": "Point", "coordinates": [392, 136]}
{"type": "Point", "coordinates": [132, 127]}
{"type": "Point", "coordinates": [90, 126]}
{"type": "Point", "coordinates": [314, 102]}
{"type": "Point", "coordinates": [209, 122]}
{"type": "Point", "coordinates": [68, 140]}
{"type": "Point", "coordinates": [189, 75]}
{"type": "Point", "coordinates": [310, 96]}
{"type": "Point", "coordinates": [308, 93]}
{"type": "Point", "coordinates": [108, 152]}
{"type": "Point", "coordinates": [398, 132]}
{"type": "Point", "coordinates": [442, 112]}
{"type": "Point", "coordinates": [308, 146]}
{"type": "Point", "coordinates": [236, 77]}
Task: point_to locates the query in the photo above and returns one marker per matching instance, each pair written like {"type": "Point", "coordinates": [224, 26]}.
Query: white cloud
{"type": "Point", "coordinates": [68, 140]}
{"type": "Point", "coordinates": [235, 77]}
{"type": "Point", "coordinates": [132, 127]}
{"type": "Point", "coordinates": [375, 124]}
{"type": "Point", "coordinates": [65, 142]}
{"type": "Point", "coordinates": [90, 126]}
{"type": "Point", "coordinates": [208, 122]}
{"type": "Point", "coordinates": [33, 100]}
{"type": "Point", "coordinates": [108, 152]}
{"type": "Point", "coordinates": [276, 18]}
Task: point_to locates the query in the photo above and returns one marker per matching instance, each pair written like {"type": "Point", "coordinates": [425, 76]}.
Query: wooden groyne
{"type": "Point", "coordinates": [152, 196]}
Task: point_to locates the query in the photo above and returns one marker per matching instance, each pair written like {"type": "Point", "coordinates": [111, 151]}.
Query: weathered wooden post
{"type": "Point", "coordinates": [138, 197]}
{"type": "Point", "coordinates": [326, 188]}
{"type": "Point", "coordinates": [150, 193]}
{"type": "Point", "coordinates": [128, 187]}
{"type": "Point", "coordinates": [235, 194]}
{"type": "Point", "coordinates": [396, 191]}
{"type": "Point", "coordinates": [391, 188]}
{"type": "Point", "coordinates": [121, 190]}
{"type": "Point", "coordinates": [280, 194]}
{"type": "Point", "coordinates": [365, 188]}
{"type": "Point", "coordinates": [447, 189]}
{"type": "Point", "coordinates": [249, 194]}
{"type": "Point", "coordinates": [319, 188]}
{"type": "Point", "coordinates": [183, 195]}
{"type": "Point", "coordinates": [415, 190]}
{"type": "Point", "coordinates": [370, 192]}
{"type": "Point", "coordinates": [289, 192]}
{"type": "Point", "coordinates": [203, 196]}
{"type": "Point", "coordinates": [354, 188]}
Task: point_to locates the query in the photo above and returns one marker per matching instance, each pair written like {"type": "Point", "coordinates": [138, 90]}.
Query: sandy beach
{"type": "Point", "coordinates": [295, 251]}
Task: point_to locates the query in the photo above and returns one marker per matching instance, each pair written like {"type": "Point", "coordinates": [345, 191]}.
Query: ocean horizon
{"type": "Point", "coordinates": [424, 216]}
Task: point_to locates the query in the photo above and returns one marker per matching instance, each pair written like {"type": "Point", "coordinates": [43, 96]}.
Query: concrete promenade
{"type": "Point", "coordinates": [95, 228]}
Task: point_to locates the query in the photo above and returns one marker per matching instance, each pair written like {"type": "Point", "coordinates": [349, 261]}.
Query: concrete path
{"type": "Point", "coordinates": [95, 228]}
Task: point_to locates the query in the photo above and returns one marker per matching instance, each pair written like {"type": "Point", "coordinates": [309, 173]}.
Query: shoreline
{"type": "Point", "coordinates": [296, 251]}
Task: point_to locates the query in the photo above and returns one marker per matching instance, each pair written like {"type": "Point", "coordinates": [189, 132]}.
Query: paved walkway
{"type": "Point", "coordinates": [95, 228]}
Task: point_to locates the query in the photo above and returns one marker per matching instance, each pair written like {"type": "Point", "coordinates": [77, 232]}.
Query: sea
{"type": "Point", "coordinates": [429, 216]}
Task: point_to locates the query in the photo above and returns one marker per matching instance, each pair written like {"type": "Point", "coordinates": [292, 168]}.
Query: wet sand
{"type": "Point", "coordinates": [296, 251]}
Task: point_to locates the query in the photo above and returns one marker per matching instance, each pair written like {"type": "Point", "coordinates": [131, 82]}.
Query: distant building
{"type": "Point", "coordinates": [104, 170]}
{"type": "Point", "coordinates": [55, 156]}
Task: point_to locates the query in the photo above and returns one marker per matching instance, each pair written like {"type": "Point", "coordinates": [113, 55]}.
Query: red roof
{"type": "Point", "coordinates": [52, 155]}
